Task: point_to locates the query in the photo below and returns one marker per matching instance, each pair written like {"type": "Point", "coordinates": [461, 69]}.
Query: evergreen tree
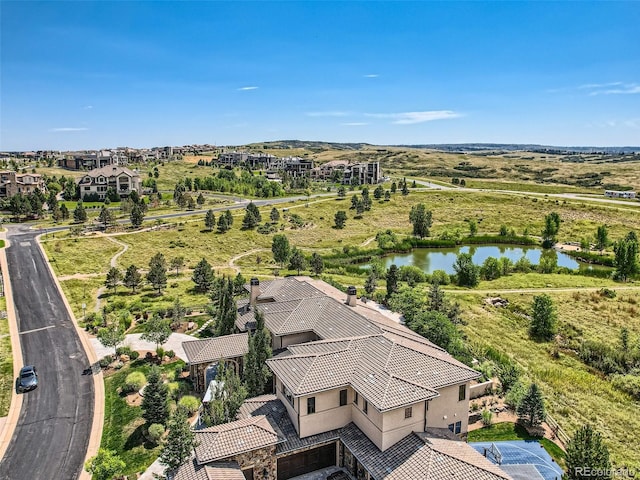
{"type": "Point", "coordinates": [106, 217]}
{"type": "Point", "coordinates": [340, 219]}
{"type": "Point", "coordinates": [587, 451]}
{"type": "Point", "coordinates": [79, 213]}
{"type": "Point", "coordinates": [155, 404]}
{"type": "Point", "coordinates": [157, 274]}
{"type": "Point", "coordinates": [156, 330]}
{"type": "Point", "coordinates": [543, 318]}
{"type": "Point", "coordinates": [229, 217]}
{"type": "Point", "coordinates": [354, 202]}
{"type": "Point", "coordinates": [200, 199]}
{"type": "Point", "coordinates": [297, 261]}
{"type": "Point", "coordinates": [227, 310]}
{"type": "Point", "coordinates": [378, 192]}
{"type": "Point", "coordinates": [180, 442]}
{"type": "Point", "coordinates": [316, 263]}
{"type": "Point", "coordinates": [421, 218]}
{"type": "Point", "coordinates": [113, 278]}
{"type": "Point", "coordinates": [227, 399]}
{"type": "Point", "coordinates": [281, 249]}
{"type": "Point", "coordinates": [177, 263]}
{"type": "Point", "coordinates": [405, 189]}
{"type": "Point", "coordinates": [387, 196]}
{"type": "Point", "coordinates": [392, 280]}
{"type": "Point", "coordinates": [249, 221]}
{"type": "Point", "coordinates": [342, 192]}
{"type": "Point", "coordinates": [223, 224]}
{"type": "Point", "coordinates": [435, 298]}
{"type": "Point", "coordinates": [209, 220]}
{"type": "Point", "coordinates": [137, 215]}
{"type": "Point", "coordinates": [274, 215]}
{"type": "Point", "coordinates": [132, 278]}
{"type": "Point", "coordinates": [64, 212]}
{"type": "Point", "coordinates": [467, 273]}
{"type": "Point", "coordinates": [256, 372]}
{"type": "Point", "coordinates": [531, 407]}
{"type": "Point", "coordinates": [394, 187]}
{"type": "Point", "coordinates": [371, 283]}
{"type": "Point", "coordinates": [203, 276]}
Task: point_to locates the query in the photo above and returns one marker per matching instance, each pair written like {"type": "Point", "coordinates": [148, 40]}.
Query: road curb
{"type": "Point", "coordinates": [98, 380]}
{"type": "Point", "coordinates": [16, 351]}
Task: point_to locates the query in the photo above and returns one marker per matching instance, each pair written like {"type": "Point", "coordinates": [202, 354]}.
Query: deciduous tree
{"type": "Point", "coordinates": [281, 249]}
{"type": "Point", "coordinates": [156, 330]}
{"type": "Point", "coordinates": [297, 261]}
{"type": "Point", "coordinates": [316, 263]}
{"type": "Point", "coordinates": [106, 465]}
{"type": "Point", "coordinates": [421, 218]}
{"type": "Point", "coordinates": [114, 276]}
{"type": "Point", "coordinates": [543, 318]}
{"type": "Point", "coordinates": [466, 271]}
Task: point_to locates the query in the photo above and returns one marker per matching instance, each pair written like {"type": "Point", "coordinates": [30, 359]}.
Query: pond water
{"type": "Point", "coordinates": [430, 259]}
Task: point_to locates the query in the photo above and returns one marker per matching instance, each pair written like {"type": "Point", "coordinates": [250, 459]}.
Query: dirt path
{"type": "Point", "coordinates": [125, 247]}
{"type": "Point", "coordinates": [231, 263]}
{"type": "Point", "coordinates": [367, 241]}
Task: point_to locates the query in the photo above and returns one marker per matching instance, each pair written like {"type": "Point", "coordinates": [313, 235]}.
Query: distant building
{"type": "Point", "coordinates": [92, 160]}
{"type": "Point", "coordinates": [617, 194]}
{"type": "Point", "coordinates": [12, 183]}
{"type": "Point", "coordinates": [362, 173]}
{"type": "Point", "coordinates": [120, 179]}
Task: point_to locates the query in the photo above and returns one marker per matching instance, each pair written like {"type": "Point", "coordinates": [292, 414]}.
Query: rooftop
{"type": "Point", "coordinates": [209, 349]}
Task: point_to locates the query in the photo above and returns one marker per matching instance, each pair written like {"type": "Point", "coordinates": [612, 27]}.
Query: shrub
{"type": "Point", "coordinates": [607, 292]}
{"type": "Point", "coordinates": [160, 352]}
{"type": "Point", "coordinates": [133, 355]}
{"type": "Point", "coordinates": [514, 397]}
{"type": "Point", "coordinates": [627, 383]}
{"type": "Point", "coordinates": [106, 361]}
{"type": "Point", "coordinates": [189, 403]}
{"type": "Point", "coordinates": [441, 277]}
{"type": "Point", "coordinates": [170, 353]}
{"type": "Point", "coordinates": [134, 382]}
{"type": "Point", "coordinates": [156, 430]}
{"type": "Point", "coordinates": [174, 389]}
{"type": "Point", "coordinates": [487, 418]}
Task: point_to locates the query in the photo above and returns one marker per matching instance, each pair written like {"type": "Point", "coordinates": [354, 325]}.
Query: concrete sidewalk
{"type": "Point", "coordinates": [136, 343]}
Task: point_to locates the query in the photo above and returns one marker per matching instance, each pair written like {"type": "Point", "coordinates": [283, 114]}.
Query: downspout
{"type": "Point", "coordinates": [426, 408]}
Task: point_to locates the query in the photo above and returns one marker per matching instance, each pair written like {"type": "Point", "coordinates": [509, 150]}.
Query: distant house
{"type": "Point", "coordinates": [12, 183]}
{"type": "Point", "coordinates": [618, 194]}
{"type": "Point", "coordinates": [366, 173]}
{"type": "Point", "coordinates": [353, 391]}
{"type": "Point", "coordinates": [120, 179]}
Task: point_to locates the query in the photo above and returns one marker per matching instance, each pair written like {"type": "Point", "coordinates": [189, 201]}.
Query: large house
{"type": "Point", "coordinates": [12, 183]}
{"type": "Point", "coordinates": [353, 390]}
{"type": "Point", "coordinates": [122, 180]}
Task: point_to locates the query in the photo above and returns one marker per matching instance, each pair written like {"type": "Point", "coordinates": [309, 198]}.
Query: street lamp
{"type": "Point", "coordinates": [84, 312]}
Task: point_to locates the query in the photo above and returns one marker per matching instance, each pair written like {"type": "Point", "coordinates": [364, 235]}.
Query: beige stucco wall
{"type": "Point", "coordinates": [370, 423]}
{"type": "Point", "coordinates": [447, 405]}
{"type": "Point", "coordinates": [329, 414]}
{"type": "Point", "coordinates": [293, 339]}
{"type": "Point", "coordinates": [395, 427]}
{"type": "Point", "coordinates": [293, 414]}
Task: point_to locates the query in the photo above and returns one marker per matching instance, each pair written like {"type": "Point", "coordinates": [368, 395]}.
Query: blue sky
{"type": "Point", "coordinates": [140, 74]}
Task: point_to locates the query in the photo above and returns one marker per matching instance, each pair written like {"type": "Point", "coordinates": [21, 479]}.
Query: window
{"type": "Point", "coordinates": [451, 426]}
{"type": "Point", "coordinates": [343, 397]}
{"type": "Point", "coordinates": [408, 412]}
{"type": "Point", "coordinates": [311, 405]}
{"type": "Point", "coordinates": [462, 393]}
{"type": "Point", "coordinates": [365, 407]}
{"type": "Point", "coordinates": [287, 394]}
{"type": "Point", "coordinates": [355, 398]}
{"type": "Point", "coordinates": [458, 427]}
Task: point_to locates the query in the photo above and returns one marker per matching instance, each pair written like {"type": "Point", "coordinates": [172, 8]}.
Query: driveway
{"type": "Point", "coordinates": [53, 429]}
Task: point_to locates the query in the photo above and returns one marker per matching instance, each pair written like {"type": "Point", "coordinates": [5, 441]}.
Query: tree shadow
{"type": "Point", "coordinates": [138, 438]}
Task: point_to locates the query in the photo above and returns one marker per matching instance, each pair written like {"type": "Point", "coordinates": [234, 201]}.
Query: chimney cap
{"type": "Point", "coordinates": [255, 281]}
{"type": "Point", "coordinates": [351, 290]}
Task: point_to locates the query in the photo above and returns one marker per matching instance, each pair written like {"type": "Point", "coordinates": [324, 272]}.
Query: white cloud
{"type": "Point", "coordinates": [327, 114]}
{"type": "Point", "coordinates": [371, 75]}
{"type": "Point", "coordinates": [591, 86]}
{"type": "Point", "coordinates": [612, 88]}
{"type": "Point", "coordinates": [69, 129]}
{"type": "Point", "coordinates": [409, 118]}
{"type": "Point", "coordinates": [354, 124]}
{"type": "Point", "coordinates": [88, 107]}
{"type": "Point", "coordinates": [244, 89]}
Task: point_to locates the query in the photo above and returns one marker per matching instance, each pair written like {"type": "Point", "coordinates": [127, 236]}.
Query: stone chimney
{"type": "Point", "coordinates": [351, 296]}
{"type": "Point", "coordinates": [255, 291]}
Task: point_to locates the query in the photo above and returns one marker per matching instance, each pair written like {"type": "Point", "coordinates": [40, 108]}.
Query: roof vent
{"type": "Point", "coordinates": [352, 296]}
{"type": "Point", "coordinates": [255, 290]}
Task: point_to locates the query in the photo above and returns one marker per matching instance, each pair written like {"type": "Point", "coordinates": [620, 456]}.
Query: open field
{"type": "Point", "coordinates": [6, 362]}
{"type": "Point", "coordinates": [575, 394]}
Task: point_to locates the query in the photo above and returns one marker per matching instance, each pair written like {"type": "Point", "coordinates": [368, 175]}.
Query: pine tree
{"type": "Point", "coordinates": [113, 278]}
{"type": "Point", "coordinates": [137, 215]}
{"type": "Point", "coordinates": [297, 261]}
{"type": "Point", "coordinates": [340, 219]}
{"type": "Point", "coordinates": [531, 407]}
{"type": "Point", "coordinates": [249, 221]}
{"type": "Point", "coordinates": [275, 215]}
{"type": "Point", "coordinates": [223, 224]}
{"type": "Point", "coordinates": [405, 190]}
{"type": "Point", "coordinates": [229, 216]}
{"type": "Point", "coordinates": [392, 280]}
{"type": "Point", "coordinates": [106, 217]}
{"type": "Point", "coordinates": [316, 263]}
{"type": "Point", "coordinates": [587, 451]}
{"type": "Point", "coordinates": [543, 318]}
{"type": "Point", "coordinates": [256, 372]}
{"type": "Point", "coordinates": [203, 276]}
{"type": "Point", "coordinates": [179, 444]}
{"type": "Point", "coordinates": [435, 298]}
{"type": "Point", "coordinates": [132, 278]}
{"type": "Point", "coordinates": [227, 310]}
{"type": "Point", "coordinates": [177, 263]}
{"type": "Point", "coordinates": [80, 214]}
{"type": "Point", "coordinates": [157, 274]}
{"type": "Point", "coordinates": [200, 199]}
{"type": "Point", "coordinates": [155, 404]}
{"type": "Point", "coordinates": [64, 212]}
{"type": "Point", "coordinates": [209, 220]}
{"type": "Point", "coordinates": [371, 283]}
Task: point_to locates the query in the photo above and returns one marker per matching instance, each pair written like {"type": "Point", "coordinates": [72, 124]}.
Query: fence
{"type": "Point", "coordinates": [557, 430]}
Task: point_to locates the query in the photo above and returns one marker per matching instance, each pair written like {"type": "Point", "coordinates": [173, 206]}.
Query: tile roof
{"type": "Point", "coordinates": [109, 171]}
{"type": "Point", "coordinates": [212, 471]}
{"type": "Point", "coordinates": [419, 458]}
{"type": "Point", "coordinates": [211, 349]}
{"type": "Point", "coordinates": [287, 289]}
{"type": "Point", "coordinates": [229, 439]}
{"type": "Point", "coordinates": [388, 370]}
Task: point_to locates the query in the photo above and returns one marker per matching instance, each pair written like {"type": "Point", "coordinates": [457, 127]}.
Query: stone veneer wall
{"type": "Point", "coordinates": [261, 460]}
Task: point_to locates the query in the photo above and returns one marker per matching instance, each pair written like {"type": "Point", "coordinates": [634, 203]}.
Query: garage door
{"type": "Point", "coordinates": [305, 462]}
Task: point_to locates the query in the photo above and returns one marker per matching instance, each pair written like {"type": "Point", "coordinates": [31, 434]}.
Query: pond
{"type": "Point", "coordinates": [430, 259]}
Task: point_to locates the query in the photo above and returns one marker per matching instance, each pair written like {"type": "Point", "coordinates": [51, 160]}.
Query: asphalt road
{"type": "Point", "coordinates": [52, 434]}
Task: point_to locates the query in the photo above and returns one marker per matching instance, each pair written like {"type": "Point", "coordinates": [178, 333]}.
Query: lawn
{"type": "Point", "coordinates": [123, 429]}
{"type": "Point", "coordinates": [499, 432]}
{"type": "Point", "coordinates": [6, 362]}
